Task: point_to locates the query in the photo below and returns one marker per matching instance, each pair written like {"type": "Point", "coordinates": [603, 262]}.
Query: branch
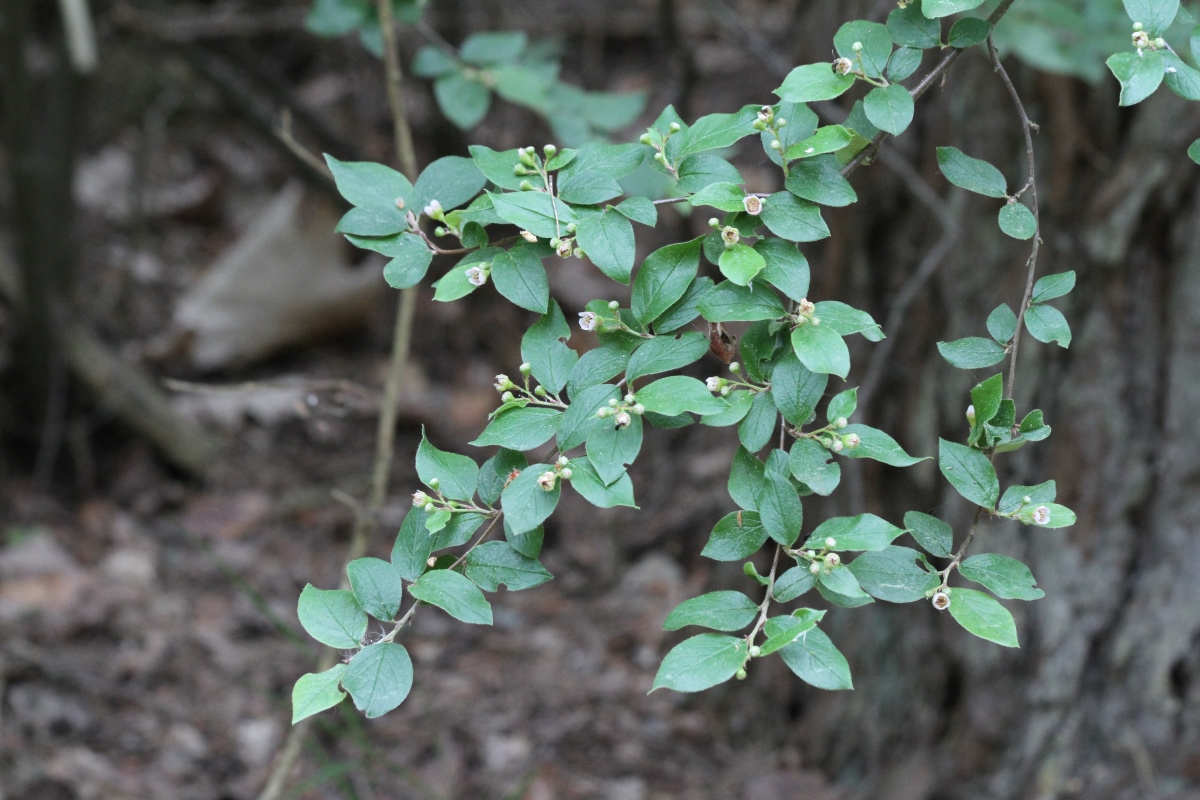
{"type": "Point", "coordinates": [1027, 129]}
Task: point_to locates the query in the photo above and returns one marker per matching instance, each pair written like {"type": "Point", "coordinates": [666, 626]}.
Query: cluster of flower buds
{"type": "Point", "coordinates": [767, 121]}
{"type": "Point", "coordinates": [722, 386]}
{"type": "Point", "coordinates": [478, 274]}
{"type": "Point", "coordinates": [659, 142]}
{"type": "Point", "coordinates": [824, 561]}
{"type": "Point", "coordinates": [1143, 42]}
{"type": "Point", "coordinates": [622, 411]}
{"type": "Point", "coordinates": [549, 479]}
{"type": "Point", "coordinates": [837, 444]}
{"type": "Point", "coordinates": [806, 314]}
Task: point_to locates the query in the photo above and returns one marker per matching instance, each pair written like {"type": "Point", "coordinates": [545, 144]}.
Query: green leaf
{"type": "Point", "coordinates": [686, 308]}
{"type": "Point", "coordinates": [1017, 220]}
{"type": "Point", "coordinates": [464, 101]}
{"type": "Point", "coordinates": [589, 188]}
{"type": "Point", "coordinates": [332, 617]}
{"type": "Point", "coordinates": [720, 611]}
{"type": "Point", "coordinates": [875, 41]}
{"type": "Point", "coordinates": [451, 180]}
{"type": "Point", "coordinates": [1052, 286]}
{"type": "Point", "coordinates": [454, 284]}
{"type": "Point", "coordinates": [821, 349]}
{"type": "Point", "coordinates": [728, 302]}
{"type": "Point", "coordinates": [739, 403]}
{"type": "Point", "coordinates": [986, 397]}
{"type": "Point", "coordinates": [534, 211]}
{"type": "Point", "coordinates": [786, 630]}
{"type": "Point", "coordinates": [493, 47]}
{"type": "Point", "coordinates": [614, 160]}
{"type": "Point", "coordinates": [930, 532]}
{"type": "Point", "coordinates": [1038, 495]}
{"type": "Point", "coordinates": [454, 594]}
{"type": "Point", "coordinates": [607, 240]}
{"type": "Point", "coordinates": [745, 479]}
{"type": "Point", "coordinates": [1003, 576]}
{"type": "Point", "coordinates": [785, 267]}
{"type": "Point", "coordinates": [1193, 151]}
{"type": "Point", "coordinates": [828, 139]}
{"type": "Point", "coordinates": [639, 209]}
{"type": "Point", "coordinates": [526, 504]}
{"type": "Point", "coordinates": [493, 563]}
{"type": "Point", "coordinates": [944, 8]}
{"type": "Point", "coordinates": [525, 85]}
{"type": "Point", "coordinates": [704, 169]}
{"type": "Point", "coordinates": [972, 174]}
{"type": "Point", "coordinates": [611, 448]}
{"type": "Point", "coordinates": [700, 662]}
{"type": "Point", "coordinates": [666, 353]}
{"type": "Point", "coordinates": [848, 320]}
{"type": "Point", "coordinates": [797, 390]}
{"type": "Point", "coordinates": [379, 678]}
{"type": "Point", "coordinates": [759, 424]}
{"type": "Point", "coordinates": [1060, 517]}
{"type": "Point", "coordinates": [368, 185]}
{"type": "Point", "coordinates": [779, 508]}
{"type": "Point", "coordinates": [890, 108]}
{"type": "Point", "coordinates": [543, 348]}
{"type": "Point", "coordinates": [410, 262]}
{"type": "Point", "coordinates": [817, 662]}
{"type": "Point", "coordinates": [793, 583]}
{"type": "Point", "coordinates": [521, 428]}
{"type": "Point", "coordinates": [587, 482]}
{"type": "Point", "coordinates": [519, 276]}
{"type": "Point", "coordinates": [493, 474]}
{"type": "Point", "coordinates": [741, 263]}
{"type": "Point", "coordinates": [718, 130]}
{"type": "Point", "coordinates": [456, 475]}
{"type": "Point", "coordinates": [376, 222]}
{"type": "Point", "coordinates": [903, 63]}
{"type": "Point", "coordinates": [793, 219]}
{"type": "Point", "coordinates": [811, 466]}
{"type": "Point", "coordinates": [1139, 74]}
{"type": "Point", "coordinates": [335, 17]}
{"type": "Point", "coordinates": [842, 405]}
{"type": "Point", "coordinates": [1155, 15]}
{"type": "Point", "coordinates": [663, 279]}
{"type": "Point", "coordinates": [736, 537]}
{"type": "Point", "coordinates": [968, 32]}
{"type": "Point", "coordinates": [597, 366]}
{"type": "Point", "coordinates": [981, 615]}
{"type": "Point", "coordinates": [498, 167]}
{"type": "Point", "coordinates": [879, 446]}
{"type": "Point", "coordinates": [458, 530]}
{"type": "Point", "coordinates": [910, 28]}
{"type": "Point", "coordinates": [677, 394]}
{"type": "Point", "coordinates": [580, 418]}
{"type": "Point", "coordinates": [413, 545]}
{"type": "Point", "coordinates": [1047, 324]}
{"type": "Point", "coordinates": [377, 586]}
{"type": "Point", "coordinates": [840, 587]}
{"type": "Point", "coordinates": [813, 82]}
{"type": "Point", "coordinates": [723, 196]}
{"type": "Point", "coordinates": [316, 692]}
{"type": "Point", "coordinates": [1002, 323]}
{"type": "Point", "coordinates": [970, 472]}
{"type": "Point", "coordinates": [973, 352]}
{"type": "Point", "coordinates": [820, 180]}
{"type": "Point", "coordinates": [893, 575]}
{"type": "Point", "coordinates": [860, 532]}
{"type": "Point", "coordinates": [430, 62]}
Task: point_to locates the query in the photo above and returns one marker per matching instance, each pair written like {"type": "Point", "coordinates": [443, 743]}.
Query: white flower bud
{"type": "Point", "coordinates": [776, 144]}
{"type": "Point", "coordinates": [755, 651]}
{"type": "Point", "coordinates": [638, 409]}
{"type": "Point", "coordinates": [529, 237]}
{"type": "Point", "coordinates": [502, 383]}
{"type": "Point", "coordinates": [714, 223]}
{"type": "Point", "coordinates": [814, 568]}
{"type": "Point", "coordinates": [730, 235]}
{"type": "Point", "coordinates": [623, 419]}
{"type": "Point", "coordinates": [563, 461]}
{"type": "Point", "coordinates": [856, 47]}
{"type": "Point", "coordinates": [550, 150]}
{"type": "Point", "coordinates": [714, 383]}
{"type": "Point", "coordinates": [851, 440]}
{"type": "Point", "coordinates": [547, 480]}
{"type": "Point", "coordinates": [434, 483]}
{"type": "Point", "coordinates": [430, 507]}
{"type": "Point", "coordinates": [1041, 515]}
{"type": "Point", "coordinates": [832, 560]}
{"type": "Point", "coordinates": [941, 601]}
{"type": "Point", "coordinates": [566, 474]}
{"type": "Point", "coordinates": [840, 422]}
{"type": "Point", "coordinates": [434, 210]}
{"type": "Point", "coordinates": [526, 368]}
{"type": "Point", "coordinates": [604, 412]}
{"type": "Point", "coordinates": [674, 127]}
{"type": "Point", "coordinates": [420, 499]}
{"type": "Point", "coordinates": [1159, 43]}
{"type": "Point", "coordinates": [629, 398]}
{"type": "Point", "coordinates": [836, 445]}
{"type": "Point", "coordinates": [726, 390]}
{"type": "Point", "coordinates": [830, 542]}
{"type": "Point", "coordinates": [781, 122]}
{"type": "Point", "coordinates": [971, 415]}
{"type": "Point", "coordinates": [613, 403]}
{"type": "Point", "coordinates": [1137, 26]}
{"type": "Point", "coordinates": [1026, 500]}
{"type": "Point", "coordinates": [752, 204]}
{"type": "Point", "coordinates": [613, 305]}
{"type": "Point", "coordinates": [507, 397]}
{"type": "Point", "coordinates": [735, 367]}
{"type": "Point", "coordinates": [646, 139]}
{"type": "Point", "coordinates": [588, 321]}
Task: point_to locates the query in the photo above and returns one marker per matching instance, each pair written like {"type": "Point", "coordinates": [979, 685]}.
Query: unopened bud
{"type": "Point", "coordinates": [623, 419]}
{"type": "Point", "coordinates": [540, 391]}
{"type": "Point", "coordinates": [814, 568]}
{"type": "Point", "coordinates": [526, 186]}
{"type": "Point", "coordinates": [830, 542]}
{"type": "Point", "coordinates": [714, 223]}
{"type": "Point", "coordinates": [781, 122]}
{"type": "Point", "coordinates": [520, 171]}
{"type": "Point", "coordinates": [726, 390]}
{"type": "Point", "coordinates": [507, 397]}
{"type": "Point", "coordinates": [434, 483]}
{"type": "Point", "coordinates": [837, 445]}
{"type": "Point", "coordinates": [674, 127]}
{"type": "Point", "coordinates": [646, 139]}
{"type": "Point", "coordinates": [440, 231]}
{"type": "Point", "coordinates": [434, 210]}
{"type": "Point", "coordinates": [735, 367]}
{"type": "Point", "coordinates": [840, 422]}
{"type": "Point", "coordinates": [526, 158]}
{"type": "Point", "coordinates": [851, 440]}
{"type": "Point", "coordinates": [613, 305]}
{"type": "Point", "coordinates": [604, 412]}
{"type": "Point", "coordinates": [638, 409]}
{"type": "Point", "coordinates": [566, 473]}
{"type": "Point", "coordinates": [503, 383]}
{"type": "Point", "coordinates": [577, 252]}
{"type": "Point", "coordinates": [971, 415]}
{"type": "Point", "coordinates": [776, 144]}
{"type": "Point", "coordinates": [740, 674]}
{"type": "Point", "coordinates": [563, 461]}
{"type": "Point", "coordinates": [550, 150]}
{"type": "Point", "coordinates": [856, 47]}
{"type": "Point", "coordinates": [833, 560]}
{"type": "Point", "coordinates": [430, 507]}
{"type": "Point", "coordinates": [419, 499]}
{"type": "Point", "coordinates": [759, 125]}
{"type": "Point", "coordinates": [755, 651]}
{"type": "Point", "coordinates": [525, 369]}
{"type": "Point", "coordinates": [660, 157]}
{"type": "Point", "coordinates": [629, 398]}
{"type": "Point", "coordinates": [1026, 500]}
{"type": "Point", "coordinates": [571, 228]}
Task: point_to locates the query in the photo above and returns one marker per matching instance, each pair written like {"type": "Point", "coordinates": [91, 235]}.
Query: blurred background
{"type": "Point", "coordinates": [190, 372]}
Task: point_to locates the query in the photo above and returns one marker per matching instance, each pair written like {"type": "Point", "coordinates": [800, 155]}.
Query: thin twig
{"type": "Point", "coordinates": [1027, 129]}
{"type": "Point", "coordinates": [766, 603]}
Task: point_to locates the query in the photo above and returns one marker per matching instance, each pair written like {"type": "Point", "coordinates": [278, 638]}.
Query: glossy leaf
{"type": "Point", "coordinates": [1003, 576]}
{"type": "Point", "coordinates": [315, 692]}
{"type": "Point", "coordinates": [736, 537]}
{"type": "Point", "coordinates": [981, 615]}
{"type": "Point", "coordinates": [663, 279]}
{"type": "Point", "coordinates": [720, 611]}
{"type": "Point", "coordinates": [332, 617]}
{"type": "Point", "coordinates": [821, 349]}
{"type": "Point", "coordinates": [607, 240]}
{"type": "Point", "coordinates": [972, 174]}
{"type": "Point", "coordinates": [930, 532]}
{"type": "Point", "coordinates": [454, 594]}
{"type": "Point", "coordinates": [816, 661]}
{"type": "Point", "coordinates": [813, 82]}
{"type": "Point", "coordinates": [379, 678]}
{"type": "Point", "coordinates": [970, 472]}
{"type": "Point", "coordinates": [377, 586]}
{"type": "Point", "coordinates": [700, 662]}
{"type": "Point", "coordinates": [892, 574]}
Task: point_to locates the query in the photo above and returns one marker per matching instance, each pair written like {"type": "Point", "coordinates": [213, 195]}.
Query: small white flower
{"type": "Point", "coordinates": [752, 204]}
{"type": "Point", "coordinates": [730, 235]}
{"type": "Point", "coordinates": [623, 419]}
{"type": "Point", "coordinates": [502, 383]}
{"type": "Point", "coordinates": [842, 66]}
{"type": "Point", "coordinates": [434, 210]}
{"type": "Point", "coordinates": [529, 237]}
{"type": "Point", "coordinates": [941, 601]}
{"type": "Point", "coordinates": [420, 499]}
{"type": "Point", "coordinates": [588, 321]}
{"type": "Point", "coordinates": [1141, 39]}
{"type": "Point", "coordinates": [477, 276]}
{"type": "Point", "coordinates": [807, 307]}
{"type": "Point", "coordinates": [563, 250]}
{"type": "Point", "coordinates": [713, 384]}
{"type": "Point", "coordinates": [547, 480]}
{"type": "Point", "coordinates": [766, 113]}
{"type": "Point", "coordinates": [1041, 515]}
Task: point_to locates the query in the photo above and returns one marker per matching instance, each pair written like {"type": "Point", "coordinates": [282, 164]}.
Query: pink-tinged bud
{"type": "Point", "coordinates": [814, 568]}
{"type": "Point", "coordinates": [1041, 515]}
{"type": "Point", "coordinates": [842, 66]}
{"type": "Point", "coordinates": [566, 473]}
{"type": "Point", "coordinates": [529, 237]}
{"type": "Point", "coordinates": [562, 461]}
{"type": "Point", "coordinates": [502, 383]}
{"type": "Point", "coordinates": [588, 321]}
{"type": "Point", "coordinates": [420, 499]}
{"type": "Point", "coordinates": [851, 440]}
{"type": "Point", "coordinates": [623, 419]}
{"type": "Point", "coordinates": [752, 204]}
{"type": "Point", "coordinates": [833, 560]}
{"type": "Point", "coordinates": [941, 601]}
{"type": "Point", "coordinates": [547, 480]}
{"type": "Point", "coordinates": [840, 422]}
{"type": "Point", "coordinates": [971, 415]}
{"type": "Point", "coordinates": [837, 445]}
{"type": "Point", "coordinates": [477, 276]}
{"type": "Point", "coordinates": [638, 409]}
{"type": "Point", "coordinates": [730, 235]}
